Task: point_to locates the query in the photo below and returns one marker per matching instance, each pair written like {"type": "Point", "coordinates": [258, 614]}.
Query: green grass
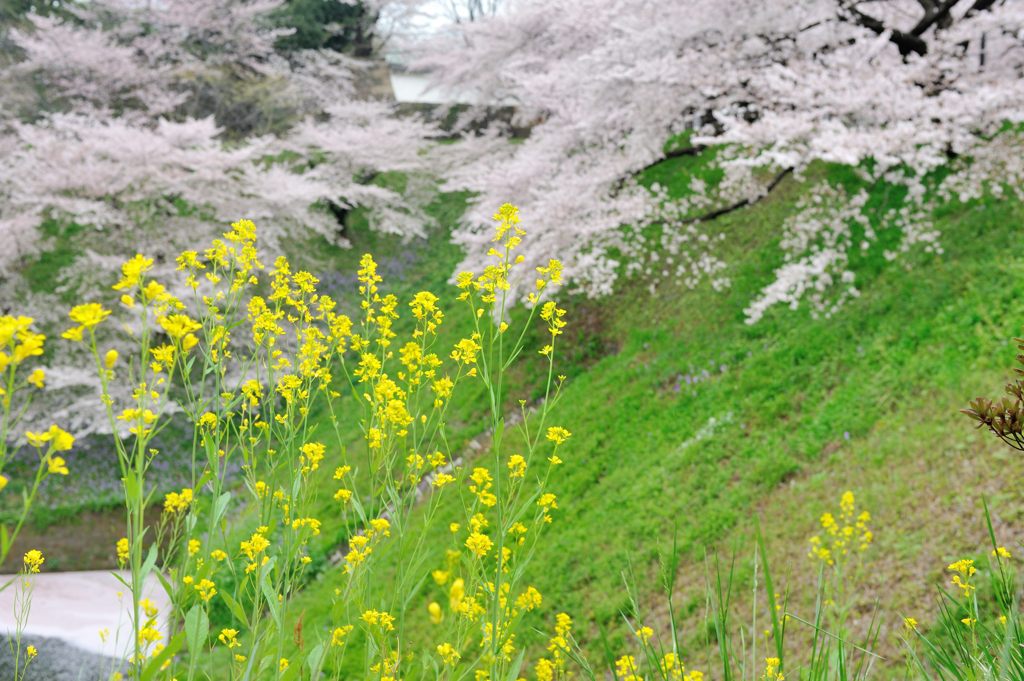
{"type": "Point", "coordinates": [40, 272]}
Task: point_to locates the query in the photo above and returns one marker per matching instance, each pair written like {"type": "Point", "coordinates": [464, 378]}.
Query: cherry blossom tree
{"type": "Point", "coordinates": [894, 87]}
{"type": "Point", "coordinates": [151, 125]}
{"type": "Point", "coordinates": [126, 114]}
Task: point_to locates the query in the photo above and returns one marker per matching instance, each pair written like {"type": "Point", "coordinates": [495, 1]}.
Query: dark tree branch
{"type": "Point", "coordinates": [911, 42]}
{"type": "Point", "coordinates": [908, 43]}
{"type": "Point", "coordinates": [742, 203]}
{"type": "Point", "coordinates": [980, 6]}
{"type": "Point", "coordinates": [683, 151]}
{"type": "Point", "coordinates": [938, 14]}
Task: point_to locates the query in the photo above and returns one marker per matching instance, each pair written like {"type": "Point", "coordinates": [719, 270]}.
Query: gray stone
{"type": "Point", "coordinates": [57, 661]}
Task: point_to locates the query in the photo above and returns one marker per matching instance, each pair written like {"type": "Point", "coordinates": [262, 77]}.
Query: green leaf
{"type": "Point", "coordinates": [234, 607]}
{"type": "Point", "coordinates": [131, 490]}
{"type": "Point", "coordinates": [315, 660]}
{"type": "Point", "coordinates": [164, 582]}
{"type": "Point", "coordinates": [271, 596]}
{"type": "Point", "coordinates": [197, 630]}
{"type": "Point", "coordinates": [121, 579]}
{"type": "Point", "coordinates": [147, 567]}
{"type": "Point", "coordinates": [205, 478]}
{"type": "Point", "coordinates": [219, 507]}
{"type": "Point", "coordinates": [513, 671]}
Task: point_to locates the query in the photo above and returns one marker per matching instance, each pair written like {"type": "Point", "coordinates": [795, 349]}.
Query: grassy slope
{"type": "Point", "coordinates": [805, 408]}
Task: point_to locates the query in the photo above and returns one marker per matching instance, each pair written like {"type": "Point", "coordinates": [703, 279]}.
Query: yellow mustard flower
{"type": "Point", "coordinates": [33, 560]}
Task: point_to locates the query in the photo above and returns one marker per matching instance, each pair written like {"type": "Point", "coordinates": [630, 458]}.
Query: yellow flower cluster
{"type": "Point", "coordinates": [251, 357]}
{"type": "Point", "coordinates": [842, 535]}
{"type": "Point", "coordinates": [363, 544]}
{"type": "Point", "coordinates": [178, 502]}
{"type": "Point", "coordinates": [964, 570]}
{"type": "Point", "coordinates": [18, 343]}
{"type": "Point", "coordinates": [33, 560]}
{"type": "Point", "coordinates": [772, 669]}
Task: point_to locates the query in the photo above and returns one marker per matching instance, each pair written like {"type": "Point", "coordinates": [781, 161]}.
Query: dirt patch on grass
{"type": "Point", "coordinates": [85, 541]}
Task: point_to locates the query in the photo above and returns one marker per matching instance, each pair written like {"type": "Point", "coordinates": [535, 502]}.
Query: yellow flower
{"type": "Point", "coordinates": [122, 551]}
{"type": "Point", "coordinates": [163, 357]}
{"type": "Point", "coordinates": [1001, 552]}
{"type": "Point", "coordinates": [88, 315]}
{"type": "Point", "coordinates": [547, 501]}
{"type": "Point", "coordinates": [442, 479]}
{"type": "Point", "coordinates": [229, 637]}
{"type": "Point", "coordinates": [33, 560]}
{"type": "Point", "coordinates": [206, 589]}
{"type": "Point", "coordinates": [3, 481]}
{"type": "Point", "coordinates": [626, 669]}
{"type": "Point", "coordinates": [644, 634]}
{"type": "Point", "coordinates": [516, 466]}
{"type": "Point", "coordinates": [37, 440]}
{"type": "Point", "coordinates": [479, 544]}
{"type": "Point", "coordinates": [910, 623]}
{"type": "Point", "coordinates": [110, 358]}
{"type": "Point", "coordinates": [178, 326]}
{"type": "Point", "coordinates": [384, 620]}
{"type": "Point", "coordinates": [140, 418]}
{"type": "Point", "coordinates": [339, 634]}
{"type": "Point", "coordinates": [149, 608]}
{"type": "Point", "coordinates": [31, 652]}
{"type": "Point", "coordinates": [255, 545]}
{"type": "Point", "coordinates": [132, 271]}
{"type": "Point", "coordinates": [60, 440]}
{"type": "Point", "coordinates": [312, 455]}
{"type": "Point", "coordinates": [448, 654]}
{"type": "Point", "coordinates": [965, 570]}
{"type": "Point", "coordinates": [544, 670]}
{"type": "Point", "coordinates": [434, 610]}
{"type": "Point", "coordinates": [843, 534]}
{"type": "Point", "coordinates": [253, 391]}
{"type": "Point", "coordinates": [150, 635]}
{"type": "Point", "coordinates": [57, 466]}
{"type": "Point", "coordinates": [529, 599]}
{"type": "Point", "coordinates": [558, 435]}
{"type": "Point", "coordinates": [37, 378]}
{"type": "Point", "coordinates": [465, 351]}
{"type": "Point", "coordinates": [456, 593]}
{"type": "Point", "coordinates": [283, 664]}
{"type": "Point", "coordinates": [772, 669]}
{"type": "Point", "coordinates": [177, 502]}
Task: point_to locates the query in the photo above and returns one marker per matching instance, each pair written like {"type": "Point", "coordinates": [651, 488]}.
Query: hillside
{"type": "Point", "coordinates": [692, 426]}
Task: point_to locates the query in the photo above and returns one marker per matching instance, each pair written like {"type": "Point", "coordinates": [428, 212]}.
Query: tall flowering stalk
{"type": "Point", "coordinates": [263, 366]}
{"type": "Point", "coordinates": [20, 377]}
{"type": "Point", "coordinates": [20, 346]}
